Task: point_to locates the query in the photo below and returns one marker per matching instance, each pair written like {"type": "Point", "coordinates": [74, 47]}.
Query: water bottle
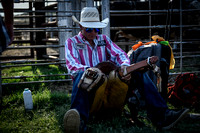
{"type": "Point", "coordinates": [28, 101]}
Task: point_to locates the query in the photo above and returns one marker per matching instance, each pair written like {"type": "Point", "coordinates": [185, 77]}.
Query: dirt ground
{"type": "Point", "coordinates": [27, 52]}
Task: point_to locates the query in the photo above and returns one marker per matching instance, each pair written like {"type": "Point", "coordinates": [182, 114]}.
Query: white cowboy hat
{"type": "Point", "coordinates": [90, 18]}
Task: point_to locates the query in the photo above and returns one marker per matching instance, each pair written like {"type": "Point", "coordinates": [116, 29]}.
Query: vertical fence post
{"type": "Point", "coordinates": [31, 26]}
{"type": "Point", "coordinates": [105, 10]}
{"type": "Point", "coordinates": [83, 4]}
{"type": "Point", "coordinates": [150, 19]}
{"type": "Point", "coordinates": [38, 23]}
{"type": "Point", "coordinates": [77, 5]}
{"type": "Point", "coordinates": [90, 3]}
{"type": "Point", "coordinates": [181, 38]}
{"type": "Point", "coordinates": [64, 22]}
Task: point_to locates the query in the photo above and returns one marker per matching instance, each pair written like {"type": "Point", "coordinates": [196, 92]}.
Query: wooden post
{"type": "Point", "coordinates": [40, 35]}
{"type": "Point", "coordinates": [181, 38]}
{"type": "Point", "coordinates": [65, 21]}
{"type": "Point", "coordinates": [90, 3]}
{"type": "Point", "coordinates": [31, 26]}
{"type": "Point", "coordinates": [83, 4]}
{"type": "Point", "coordinates": [77, 5]}
{"type": "Point", "coordinates": [105, 10]}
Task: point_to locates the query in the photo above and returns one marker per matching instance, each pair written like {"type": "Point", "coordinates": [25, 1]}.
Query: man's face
{"type": "Point", "coordinates": [89, 33]}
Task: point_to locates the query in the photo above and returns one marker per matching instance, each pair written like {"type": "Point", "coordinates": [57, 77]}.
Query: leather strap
{"type": "Point", "coordinates": [90, 78]}
{"type": "Point", "coordinates": [139, 65]}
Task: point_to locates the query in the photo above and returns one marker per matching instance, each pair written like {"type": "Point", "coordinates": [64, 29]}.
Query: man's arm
{"type": "Point", "coordinates": [117, 54]}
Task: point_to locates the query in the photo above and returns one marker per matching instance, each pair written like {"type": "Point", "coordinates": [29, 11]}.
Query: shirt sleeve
{"type": "Point", "coordinates": [117, 55]}
{"type": "Point", "coordinates": [72, 58]}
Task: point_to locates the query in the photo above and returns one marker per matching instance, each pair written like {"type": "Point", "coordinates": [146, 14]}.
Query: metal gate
{"type": "Point", "coordinates": [42, 26]}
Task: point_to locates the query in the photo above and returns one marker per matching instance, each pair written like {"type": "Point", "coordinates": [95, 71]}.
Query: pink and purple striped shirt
{"type": "Point", "coordinates": [80, 55]}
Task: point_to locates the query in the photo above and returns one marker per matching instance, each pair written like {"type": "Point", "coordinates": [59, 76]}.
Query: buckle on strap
{"type": "Point", "coordinates": [148, 62]}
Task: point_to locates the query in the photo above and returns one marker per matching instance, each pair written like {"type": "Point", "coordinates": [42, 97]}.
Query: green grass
{"type": "Point", "coordinates": [33, 71]}
{"type": "Point", "coordinates": [46, 116]}
{"type": "Point", "coordinates": [51, 104]}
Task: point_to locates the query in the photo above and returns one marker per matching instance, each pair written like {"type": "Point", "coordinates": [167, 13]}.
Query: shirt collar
{"type": "Point", "coordinates": [83, 38]}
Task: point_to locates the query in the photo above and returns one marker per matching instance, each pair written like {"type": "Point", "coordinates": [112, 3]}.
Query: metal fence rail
{"type": "Point", "coordinates": [47, 14]}
{"type": "Point", "coordinates": [33, 82]}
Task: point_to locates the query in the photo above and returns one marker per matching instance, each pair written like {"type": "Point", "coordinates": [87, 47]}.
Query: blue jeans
{"type": "Point", "coordinates": [156, 106]}
{"type": "Point", "coordinates": [81, 99]}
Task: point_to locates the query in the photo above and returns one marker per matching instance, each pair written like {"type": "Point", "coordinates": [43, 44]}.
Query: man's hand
{"type": "Point", "coordinates": [152, 60]}
{"type": "Point", "coordinates": [123, 70]}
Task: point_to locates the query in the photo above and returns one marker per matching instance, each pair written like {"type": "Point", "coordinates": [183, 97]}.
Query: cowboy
{"type": "Point", "coordinates": [88, 49]}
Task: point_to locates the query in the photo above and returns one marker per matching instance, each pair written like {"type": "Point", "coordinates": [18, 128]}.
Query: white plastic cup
{"type": "Point", "coordinates": [28, 101]}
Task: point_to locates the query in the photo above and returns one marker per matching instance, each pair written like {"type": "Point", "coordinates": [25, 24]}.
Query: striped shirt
{"type": "Point", "coordinates": [80, 55]}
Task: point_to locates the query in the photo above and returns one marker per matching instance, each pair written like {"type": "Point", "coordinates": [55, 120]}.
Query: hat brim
{"type": "Point", "coordinates": [101, 24]}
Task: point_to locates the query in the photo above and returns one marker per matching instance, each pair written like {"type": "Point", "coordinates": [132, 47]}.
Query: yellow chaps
{"type": "Point", "coordinates": [111, 94]}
